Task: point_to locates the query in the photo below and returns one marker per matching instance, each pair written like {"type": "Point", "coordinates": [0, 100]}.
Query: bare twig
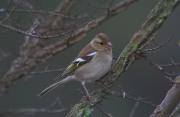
{"type": "Point", "coordinates": [133, 110]}
{"type": "Point", "coordinates": [162, 69]}
{"type": "Point", "coordinates": [63, 9]}
{"type": "Point", "coordinates": [43, 12]}
{"type": "Point", "coordinates": [125, 95]}
{"type": "Point", "coordinates": [29, 34]}
{"type": "Point", "coordinates": [157, 47]}
{"type": "Point", "coordinates": [25, 32]}
{"type": "Point", "coordinates": [171, 65]}
{"type": "Point", "coordinates": [8, 15]}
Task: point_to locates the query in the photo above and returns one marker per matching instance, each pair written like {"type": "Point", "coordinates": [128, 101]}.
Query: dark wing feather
{"type": "Point", "coordinates": [77, 63]}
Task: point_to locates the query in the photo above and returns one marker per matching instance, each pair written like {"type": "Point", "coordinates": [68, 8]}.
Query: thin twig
{"type": "Point", "coordinates": [20, 31]}
{"type": "Point", "coordinates": [161, 68]}
{"type": "Point", "coordinates": [43, 12]}
{"type": "Point", "coordinates": [133, 110]}
{"type": "Point", "coordinates": [125, 95]}
{"type": "Point", "coordinates": [157, 47]}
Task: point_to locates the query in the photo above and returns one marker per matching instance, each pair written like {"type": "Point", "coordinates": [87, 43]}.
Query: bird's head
{"type": "Point", "coordinates": [101, 42]}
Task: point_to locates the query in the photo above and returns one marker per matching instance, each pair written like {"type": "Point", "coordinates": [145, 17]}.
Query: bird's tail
{"type": "Point", "coordinates": [55, 85]}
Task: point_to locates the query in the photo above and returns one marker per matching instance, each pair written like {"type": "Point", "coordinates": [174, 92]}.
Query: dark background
{"type": "Point", "coordinates": [141, 79]}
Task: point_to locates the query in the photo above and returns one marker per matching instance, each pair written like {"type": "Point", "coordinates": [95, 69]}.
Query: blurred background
{"type": "Point", "coordinates": [140, 80]}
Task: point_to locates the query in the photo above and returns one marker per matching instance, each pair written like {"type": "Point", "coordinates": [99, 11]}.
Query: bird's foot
{"type": "Point", "coordinates": [89, 99]}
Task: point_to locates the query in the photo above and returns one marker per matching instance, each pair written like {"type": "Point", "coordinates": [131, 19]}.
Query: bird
{"type": "Point", "coordinates": [92, 63]}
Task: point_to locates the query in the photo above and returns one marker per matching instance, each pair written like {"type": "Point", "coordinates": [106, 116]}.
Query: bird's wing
{"type": "Point", "coordinates": [78, 62]}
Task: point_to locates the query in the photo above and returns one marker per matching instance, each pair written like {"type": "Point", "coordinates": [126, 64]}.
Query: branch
{"type": "Point", "coordinates": [135, 107]}
{"type": "Point", "coordinates": [171, 100]}
{"type": "Point", "coordinates": [33, 52]}
{"type": "Point", "coordinates": [176, 111]}
{"type": "Point", "coordinates": [153, 22]}
{"type": "Point", "coordinates": [62, 9]}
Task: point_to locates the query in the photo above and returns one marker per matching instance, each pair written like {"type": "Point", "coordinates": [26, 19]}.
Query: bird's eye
{"type": "Point", "coordinates": [101, 43]}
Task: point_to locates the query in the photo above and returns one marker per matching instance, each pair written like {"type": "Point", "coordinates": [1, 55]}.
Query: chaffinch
{"type": "Point", "coordinates": [93, 62]}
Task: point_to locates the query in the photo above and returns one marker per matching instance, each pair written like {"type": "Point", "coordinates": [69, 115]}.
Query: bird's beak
{"type": "Point", "coordinates": [109, 44]}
